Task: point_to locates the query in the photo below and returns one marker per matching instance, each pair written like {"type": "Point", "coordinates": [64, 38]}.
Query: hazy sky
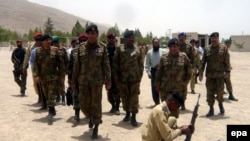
{"type": "Point", "coordinates": [229, 17]}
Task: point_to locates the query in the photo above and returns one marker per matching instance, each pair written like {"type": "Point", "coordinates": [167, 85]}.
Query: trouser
{"type": "Point", "coordinates": [61, 87]}
{"type": "Point", "coordinates": [129, 92]}
{"type": "Point", "coordinates": [228, 84]}
{"type": "Point", "coordinates": [192, 81]}
{"type": "Point", "coordinates": [20, 78]}
{"type": "Point", "coordinates": [155, 94]}
{"type": "Point", "coordinates": [215, 86]}
{"type": "Point", "coordinates": [76, 104]}
{"type": "Point", "coordinates": [113, 95]}
{"type": "Point", "coordinates": [90, 98]}
{"type": "Point", "coordinates": [50, 91]}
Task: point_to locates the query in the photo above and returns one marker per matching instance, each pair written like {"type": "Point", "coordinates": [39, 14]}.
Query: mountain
{"type": "Point", "coordinates": [21, 15]}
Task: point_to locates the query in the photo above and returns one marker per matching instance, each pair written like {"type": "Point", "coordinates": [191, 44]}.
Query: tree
{"type": "Point", "coordinates": [114, 30]}
{"type": "Point", "coordinates": [77, 29]}
{"type": "Point", "coordinates": [49, 27]}
{"type": "Point", "coordinates": [238, 45]}
{"type": "Point", "coordinates": [103, 37]}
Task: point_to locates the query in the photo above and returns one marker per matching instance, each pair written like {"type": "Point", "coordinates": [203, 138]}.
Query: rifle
{"type": "Point", "coordinates": [194, 116]}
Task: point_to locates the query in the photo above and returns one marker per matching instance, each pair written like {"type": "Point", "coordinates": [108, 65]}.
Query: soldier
{"type": "Point", "coordinates": [160, 125]}
{"type": "Point", "coordinates": [91, 71]}
{"type": "Point", "coordinates": [188, 49]}
{"type": "Point", "coordinates": [195, 66]}
{"type": "Point", "coordinates": [152, 60]}
{"type": "Point", "coordinates": [227, 80]}
{"type": "Point", "coordinates": [17, 58]}
{"type": "Point", "coordinates": [64, 60]}
{"type": "Point", "coordinates": [47, 70]}
{"type": "Point", "coordinates": [37, 37]}
{"type": "Point", "coordinates": [216, 58]}
{"type": "Point", "coordinates": [128, 70]}
{"type": "Point", "coordinates": [173, 72]}
{"type": "Point", "coordinates": [113, 92]}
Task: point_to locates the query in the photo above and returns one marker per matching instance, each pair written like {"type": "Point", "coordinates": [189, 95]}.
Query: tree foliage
{"type": "Point", "coordinates": [49, 27]}
{"type": "Point", "coordinates": [77, 29]}
{"type": "Point", "coordinates": [239, 45]}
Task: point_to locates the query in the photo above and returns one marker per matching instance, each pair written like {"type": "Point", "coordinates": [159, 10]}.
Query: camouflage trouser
{"type": "Point", "coordinates": [215, 86]}
{"type": "Point", "coordinates": [113, 94]}
{"type": "Point", "coordinates": [50, 91]}
{"type": "Point", "coordinates": [192, 81]}
{"type": "Point", "coordinates": [228, 84]}
{"type": "Point", "coordinates": [90, 98]}
{"type": "Point", "coordinates": [76, 104]}
{"type": "Point", "coordinates": [129, 92]}
{"type": "Point", "coordinates": [61, 85]}
{"type": "Point", "coordinates": [20, 78]}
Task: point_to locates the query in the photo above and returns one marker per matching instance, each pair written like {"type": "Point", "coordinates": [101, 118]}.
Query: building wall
{"type": "Point", "coordinates": [241, 39]}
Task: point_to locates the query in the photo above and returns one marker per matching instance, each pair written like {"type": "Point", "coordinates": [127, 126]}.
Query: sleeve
{"type": "Point", "coordinates": [76, 68]}
{"type": "Point", "coordinates": [35, 67]}
{"type": "Point", "coordinates": [106, 68]}
{"type": "Point", "coordinates": [166, 132]}
{"type": "Point", "coordinates": [159, 72]}
{"type": "Point", "coordinates": [227, 63]}
{"type": "Point", "coordinates": [148, 63]}
{"type": "Point", "coordinates": [141, 64]}
{"type": "Point", "coordinates": [27, 57]}
{"type": "Point", "coordinates": [188, 70]}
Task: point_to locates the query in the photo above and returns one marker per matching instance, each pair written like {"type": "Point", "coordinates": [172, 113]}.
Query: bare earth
{"type": "Point", "coordinates": [21, 120]}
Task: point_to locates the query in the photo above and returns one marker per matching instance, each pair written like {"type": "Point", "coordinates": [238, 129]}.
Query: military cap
{"type": "Point", "coordinates": [111, 36]}
{"type": "Point", "coordinates": [55, 39]}
{"type": "Point", "coordinates": [37, 35]}
{"type": "Point", "coordinates": [178, 97]}
{"type": "Point", "coordinates": [45, 37]}
{"type": "Point", "coordinates": [173, 41]}
{"type": "Point", "coordinates": [18, 40]}
{"type": "Point", "coordinates": [128, 33]}
{"type": "Point", "coordinates": [227, 41]}
{"type": "Point", "coordinates": [92, 27]}
{"type": "Point", "coordinates": [192, 41]}
{"type": "Point", "coordinates": [181, 34]}
{"type": "Point", "coordinates": [197, 41]}
{"type": "Point", "coordinates": [214, 34]}
{"type": "Point", "coordinates": [82, 37]}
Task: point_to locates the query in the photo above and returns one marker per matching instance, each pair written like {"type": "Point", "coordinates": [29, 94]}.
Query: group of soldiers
{"type": "Point", "coordinates": [90, 64]}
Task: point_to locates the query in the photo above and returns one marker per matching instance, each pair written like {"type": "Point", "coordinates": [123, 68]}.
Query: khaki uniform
{"type": "Point", "coordinates": [195, 67]}
{"type": "Point", "coordinates": [227, 80]}
{"type": "Point", "coordinates": [218, 64]}
{"type": "Point", "coordinates": [47, 67]}
{"type": "Point", "coordinates": [160, 125]}
{"type": "Point", "coordinates": [173, 74]}
{"type": "Point", "coordinates": [91, 71]}
{"type": "Point", "coordinates": [128, 70]}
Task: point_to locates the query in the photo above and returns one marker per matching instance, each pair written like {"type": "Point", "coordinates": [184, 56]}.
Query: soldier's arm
{"type": "Point", "coordinates": [141, 64]}
{"type": "Point", "coordinates": [76, 68]}
{"type": "Point", "coordinates": [227, 63]}
{"type": "Point", "coordinates": [188, 70]}
{"type": "Point", "coordinates": [106, 68]}
{"type": "Point", "coordinates": [115, 69]}
{"type": "Point", "coordinates": [148, 64]}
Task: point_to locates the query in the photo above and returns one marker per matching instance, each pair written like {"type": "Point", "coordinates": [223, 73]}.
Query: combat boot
{"type": "Point", "coordinates": [63, 99]}
{"type": "Point", "coordinates": [90, 123]}
{"type": "Point", "coordinates": [77, 114]}
{"type": "Point", "coordinates": [95, 132]}
{"type": "Point", "coordinates": [117, 111]}
{"type": "Point", "coordinates": [133, 120]}
{"type": "Point", "coordinates": [22, 91]}
{"type": "Point", "coordinates": [112, 110]}
{"type": "Point", "coordinates": [222, 111]}
{"type": "Point", "coordinates": [211, 112]}
{"type": "Point", "coordinates": [231, 97]}
{"type": "Point", "coordinates": [127, 117]}
{"type": "Point", "coordinates": [52, 112]}
{"type": "Point", "coordinates": [183, 107]}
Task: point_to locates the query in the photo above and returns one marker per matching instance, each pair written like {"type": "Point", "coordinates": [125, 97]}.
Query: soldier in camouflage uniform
{"type": "Point", "coordinates": [188, 49]}
{"type": "Point", "coordinates": [64, 60]}
{"type": "Point", "coordinates": [128, 70]}
{"type": "Point", "coordinates": [227, 80]}
{"type": "Point", "coordinates": [195, 66]}
{"type": "Point", "coordinates": [216, 58]}
{"type": "Point", "coordinates": [47, 71]}
{"type": "Point", "coordinates": [17, 58]}
{"type": "Point", "coordinates": [91, 71]}
{"type": "Point", "coordinates": [173, 72]}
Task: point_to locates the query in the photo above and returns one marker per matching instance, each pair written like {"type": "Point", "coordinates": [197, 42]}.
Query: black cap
{"type": "Point", "coordinates": [192, 41]}
{"type": "Point", "coordinates": [214, 34]}
{"type": "Point", "coordinates": [178, 97]}
{"type": "Point", "coordinates": [182, 34]}
{"type": "Point", "coordinates": [128, 33]}
{"type": "Point", "coordinates": [45, 36]}
{"type": "Point", "coordinates": [228, 41]}
{"type": "Point", "coordinates": [172, 41]}
{"type": "Point", "coordinates": [111, 36]}
{"type": "Point", "coordinates": [92, 27]}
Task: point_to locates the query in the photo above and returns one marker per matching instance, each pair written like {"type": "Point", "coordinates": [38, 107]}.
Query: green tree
{"type": "Point", "coordinates": [102, 37]}
{"type": "Point", "coordinates": [77, 29]}
{"type": "Point", "coordinates": [114, 30]}
{"type": "Point", "coordinates": [49, 27]}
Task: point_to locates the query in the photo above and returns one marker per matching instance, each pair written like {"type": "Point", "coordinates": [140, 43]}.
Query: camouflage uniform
{"type": "Point", "coordinates": [128, 70]}
{"type": "Point", "coordinates": [195, 67]}
{"type": "Point", "coordinates": [64, 62]}
{"type": "Point", "coordinates": [173, 74]}
{"type": "Point", "coordinates": [47, 67]}
{"type": "Point", "coordinates": [20, 78]}
{"type": "Point", "coordinates": [91, 71]}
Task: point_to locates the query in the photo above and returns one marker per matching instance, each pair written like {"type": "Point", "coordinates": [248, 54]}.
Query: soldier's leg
{"type": "Point", "coordinates": [63, 88]}
{"type": "Point", "coordinates": [23, 83]}
{"type": "Point", "coordinates": [220, 92]}
{"type": "Point", "coordinates": [210, 85]}
{"type": "Point", "coordinates": [134, 101]}
{"type": "Point", "coordinates": [84, 97]}
{"type": "Point", "coordinates": [230, 89]}
{"type": "Point", "coordinates": [110, 96]}
{"type": "Point", "coordinates": [192, 83]}
{"type": "Point", "coordinates": [117, 100]}
{"type": "Point", "coordinates": [124, 93]}
{"type": "Point", "coordinates": [96, 104]}
{"type": "Point", "coordinates": [52, 91]}
{"type": "Point", "coordinates": [17, 75]}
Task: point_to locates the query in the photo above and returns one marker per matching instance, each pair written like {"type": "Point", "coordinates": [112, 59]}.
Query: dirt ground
{"type": "Point", "coordinates": [21, 120]}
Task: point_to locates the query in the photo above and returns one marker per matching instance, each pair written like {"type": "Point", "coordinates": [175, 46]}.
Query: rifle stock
{"type": "Point", "coordinates": [194, 116]}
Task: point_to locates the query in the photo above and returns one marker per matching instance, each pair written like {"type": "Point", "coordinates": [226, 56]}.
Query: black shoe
{"type": "Point", "coordinates": [192, 92]}
{"type": "Point", "coordinates": [211, 112]}
{"type": "Point", "coordinates": [183, 107]}
{"type": "Point", "coordinates": [117, 112]}
{"type": "Point", "coordinates": [112, 110]}
{"type": "Point", "coordinates": [95, 132]}
{"type": "Point", "coordinates": [133, 120]}
{"type": "Point", "coordinates": [231, 97]}
{"type": "Point", "coordinates": [90, 123]}
{"type": "Point", "coordinates": [222, 110]}
{"type": "Point", "coordinates": [127, 117]}
{"type": "Point", "coordinates": [77, 115]}
{"type": "Point", "coordinates": [52, 112]}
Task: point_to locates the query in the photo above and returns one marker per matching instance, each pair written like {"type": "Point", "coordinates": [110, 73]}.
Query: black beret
{"type": "Point", "coordinates": [110, 35]}
{"type": "Point", "coordinates": [178, 97]}
{"type": "Point", "coordinates": [92, 27]}
{"type": "Point", "coordinates": [214, 34]}
{"type": "Point", "coordinates": [82, 37]}
{"type": "Point", "coordinates": [128, 33]}
{"type": "Point", "coordinates": [173, 41]}
{"type": "Point", "coordinates": [182, 34]}
{"type": "Point", "coordinates": [192, 41]}
{"type": "Point", "coordinates": [45, 36]}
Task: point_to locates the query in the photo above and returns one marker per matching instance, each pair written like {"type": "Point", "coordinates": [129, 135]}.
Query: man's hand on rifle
{"type": "Point", "coordinates": [185, 129]}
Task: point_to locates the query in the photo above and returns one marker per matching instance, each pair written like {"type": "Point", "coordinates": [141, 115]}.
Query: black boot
{"type": "Point", "coordinates": [231, 97]}
{"type": "Point", "coordinates": [117, 105]}
{"type": "Point", "coordinates": [133, 120]}
{"type": "Point", "coordinates": [90, 123]}
{"type": "Point", "coordinates": [52, 112]}
{"type": "Point", "coordinates": [222, 111]}
{"type": "Point", "coordinates": [112, 110]}
{"type": "Point", "coordinates": [95, 132]}
{"type": "Point", "coordinates": [77, 114]}
{"type": "Point", "coordinates": [127, 117]}
{"type": "Point", "coordinates": [183, 107]}
{"type": "Point", "coordinates": [211, 111]}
